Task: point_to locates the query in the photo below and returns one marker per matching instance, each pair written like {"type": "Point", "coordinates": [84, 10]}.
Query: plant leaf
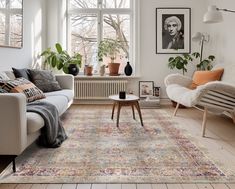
{"type": "Point", "coordinates": [58, 48]}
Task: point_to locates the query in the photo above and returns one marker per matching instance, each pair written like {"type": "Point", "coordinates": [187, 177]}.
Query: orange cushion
{"type": "Point", "coordinates": [203, 77]}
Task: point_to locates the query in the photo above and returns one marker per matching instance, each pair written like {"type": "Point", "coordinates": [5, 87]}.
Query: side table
{"type": "Point", "coordinates": [130, 100]}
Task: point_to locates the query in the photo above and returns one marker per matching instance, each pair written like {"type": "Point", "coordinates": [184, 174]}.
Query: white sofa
{"type": "Point", "coordinates": [215, 96]}
{"type": "Point", "coordinates": [18, 128]}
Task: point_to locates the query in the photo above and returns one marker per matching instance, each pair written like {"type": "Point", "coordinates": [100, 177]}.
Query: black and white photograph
{"type": "Point", "coordinates": [173, 28]}
{"type": "Point", "coordinates": [156, 92]}
{"type": "Point", "coordinates": [145, 88]}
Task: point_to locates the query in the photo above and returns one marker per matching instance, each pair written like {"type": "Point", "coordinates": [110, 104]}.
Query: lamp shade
{"type": "Point", "coordinates": [197, 36]}
{"type": "Point", "coordinates": [212, 15]}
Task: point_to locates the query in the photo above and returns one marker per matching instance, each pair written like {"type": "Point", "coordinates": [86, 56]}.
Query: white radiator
{"type": "Point", "coordinates": [98, 89]}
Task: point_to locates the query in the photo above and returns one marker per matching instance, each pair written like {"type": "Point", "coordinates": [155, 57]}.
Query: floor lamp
{"type": "Point", "coordinates": [213, 14]}
{"type": "Point", "coordinates": [201, 38]}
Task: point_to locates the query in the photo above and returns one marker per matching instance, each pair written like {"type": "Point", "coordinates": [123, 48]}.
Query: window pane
{"type": "Point", "coordinates": [2, 29]}
{"type": "Point", "coordinates": [16, 4]}
{"type": "Point", "coordinates": [16, 30]}
{"type": "Point", "coordinates": [118, 27]}
{"type": "Point", "coordinates": [73, 4]}
{"type": "Point", "coordinates": [116, 3]}
{"type": "Point", "coordinates": [2, 3]}
{"type": "Point", "coordinates": [84, 37]}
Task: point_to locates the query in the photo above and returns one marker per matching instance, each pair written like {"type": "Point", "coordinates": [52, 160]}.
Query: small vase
{"type": "Point", "coordinates": [128, 69]}
{"type": "Point", "coordinates": [102, 70]}
{"type": "Point", "coordinates": [73, 69]}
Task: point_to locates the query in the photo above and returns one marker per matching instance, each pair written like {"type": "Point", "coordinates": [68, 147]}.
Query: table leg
{"type": "Point", "coordinates": [133, 111]}
{"type": "Point", "coordinates": [118, 113]}
{"type": "Point", "coordinates": [113, 109]}
{"type": "Point", "coordinates": [138, 109]}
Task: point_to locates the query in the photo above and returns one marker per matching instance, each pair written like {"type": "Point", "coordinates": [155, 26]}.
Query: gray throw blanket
{"type": "Point", "coordinates": [53, 133]}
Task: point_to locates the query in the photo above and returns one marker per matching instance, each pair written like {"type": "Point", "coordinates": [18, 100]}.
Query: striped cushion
{"type": "Point", "coordinates": [21, 85]}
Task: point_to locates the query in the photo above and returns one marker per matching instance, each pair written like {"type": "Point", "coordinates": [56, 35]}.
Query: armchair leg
{"type": "Point", "coordinates": [204, 122]}
{"type": "Point", "coordinates": [176, 109]}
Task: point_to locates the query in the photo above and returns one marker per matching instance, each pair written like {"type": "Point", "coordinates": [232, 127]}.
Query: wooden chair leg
{"type": "Point", "coordinates": [176, 109]}
{"type": "Point", "coordinates": [204, 121]}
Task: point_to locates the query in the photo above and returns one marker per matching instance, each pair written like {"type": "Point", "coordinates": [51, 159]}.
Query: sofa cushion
{"type": "Point", "coordinates": [21, 85]}
{"type": "Point", "coordinates": [21, 73]}
{"type": "Point", "coordinates": [34, 122]}
{"type": "Point", "coordinates": [203, 77]}
{"type": "Point", "coordinates": [10, 74]}
{"type": "Point", "coordinates": [44, 80]}
{"type": "Point", "coordinates": [4, 76]}
{"type": "Point", "coordinates": [60, 102]}
{"type": "Point", "coordinates": [64, 92]}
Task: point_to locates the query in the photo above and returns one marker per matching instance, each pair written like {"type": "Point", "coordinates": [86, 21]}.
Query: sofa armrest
{"type": "Point", "coordinates": [13, 127]}
{"type": "Point", "coordinates": [177, 79]}
{"type": "Point", "coordinates": [66, 81]}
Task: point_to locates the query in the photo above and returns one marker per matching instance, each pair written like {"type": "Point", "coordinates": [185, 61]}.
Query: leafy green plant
{"type": "Point", "coordinates": [204, 64]}
{"type": "Point", "coordinates": [109, 48]}
{"type": "Point", "coordinates": [180, 62]}
{"type": "Point", "coordinates": [60, 58]}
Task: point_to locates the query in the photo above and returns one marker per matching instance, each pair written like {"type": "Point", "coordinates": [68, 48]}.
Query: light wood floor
{"type": "Point", "coordinates": [219, 142]}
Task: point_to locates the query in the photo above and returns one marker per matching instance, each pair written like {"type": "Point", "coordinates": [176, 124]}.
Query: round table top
{"type": "Point", "coordinates": [129, 97]}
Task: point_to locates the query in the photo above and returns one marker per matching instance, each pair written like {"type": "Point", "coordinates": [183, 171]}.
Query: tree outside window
{"type": "Point", "coordinates": [90, 21]}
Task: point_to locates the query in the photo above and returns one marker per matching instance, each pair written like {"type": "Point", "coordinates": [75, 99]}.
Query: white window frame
{"type": "Point", "coordinates": [8, 11]}
{"type": "Point", "coordinates": [133, 11]}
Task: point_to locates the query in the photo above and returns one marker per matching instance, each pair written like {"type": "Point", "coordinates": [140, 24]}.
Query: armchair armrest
{"type": "Point", "coordinates": [66, 81]}
{"type": "Point", "coordinates": [219, 86]}
{"type": "Point", "coordinates": [13, 128]}
{"type": "Point", "coordinates": [177, 79]}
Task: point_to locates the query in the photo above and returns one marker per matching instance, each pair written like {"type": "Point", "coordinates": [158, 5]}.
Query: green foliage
{"type": "Point", "coordinates": [60, 58]}
{"type": "Point", "coordinates": [180, 62]}
{"type": "Point", "coordinates": [109, 48]}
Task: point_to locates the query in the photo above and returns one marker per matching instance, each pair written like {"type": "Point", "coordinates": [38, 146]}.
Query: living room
{"type": "Point", "coordinates": [45, 24]}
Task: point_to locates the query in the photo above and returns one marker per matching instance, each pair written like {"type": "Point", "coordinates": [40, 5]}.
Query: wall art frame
{"type": "Point", "coordinates": [173, 30]}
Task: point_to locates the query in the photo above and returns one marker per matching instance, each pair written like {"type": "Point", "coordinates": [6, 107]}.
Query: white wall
{"type": "Point", "coordinates": [222, 34]}
{"type": "Point", "coordinates": [33, 38]}
{"type": "Point", "coordinates": [154, 66]}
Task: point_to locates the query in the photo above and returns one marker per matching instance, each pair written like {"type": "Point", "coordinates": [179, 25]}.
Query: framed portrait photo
{"type": "Point", "coordinates": [173, 30]}
{"type": "Point", "coordinates": [145, 88]}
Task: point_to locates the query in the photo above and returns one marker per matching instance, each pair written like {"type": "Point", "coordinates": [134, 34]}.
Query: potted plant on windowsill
{"type": "Point", "coordinates": [110, 48]}
{"type": "Point", "coordinates": [60, 59]}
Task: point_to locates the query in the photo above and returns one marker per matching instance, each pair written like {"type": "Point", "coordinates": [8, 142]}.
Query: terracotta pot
{"type": "Point", "coordinates": [89, 70]}
{"type": "Point", "coordinates": [113, 68]}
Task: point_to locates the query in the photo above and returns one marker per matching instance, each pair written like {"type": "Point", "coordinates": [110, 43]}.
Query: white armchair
{"type": "Point", "coordinates": [215, 96]}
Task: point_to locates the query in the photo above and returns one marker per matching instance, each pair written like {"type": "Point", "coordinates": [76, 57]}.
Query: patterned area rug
{"type": "Point", "coordinates": [98, 152]}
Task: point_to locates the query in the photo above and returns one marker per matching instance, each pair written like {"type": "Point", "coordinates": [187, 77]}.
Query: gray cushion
{"type": "Point", "coordinates": [65, 92]}
{"type": "Point", "coordinates": [60, 102]}
{"type": "Point", "coordinates": [44, 80]}
{"type": "Point", "coordinates": [21, 73]}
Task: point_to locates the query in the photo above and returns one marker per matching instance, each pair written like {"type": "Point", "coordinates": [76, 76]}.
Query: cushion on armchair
{"type": "Point", "coordinates": [203, 77]}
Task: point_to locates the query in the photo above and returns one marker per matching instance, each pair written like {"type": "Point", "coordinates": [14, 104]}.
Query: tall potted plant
{"type": "Point", "coordinates": [110, 48]}
{"type": "Point", "coordinates": [180, 62]}
{"type": "Point", "coordinates": [60, 59]}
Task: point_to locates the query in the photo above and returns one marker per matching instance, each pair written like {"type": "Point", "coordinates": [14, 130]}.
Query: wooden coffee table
{"type": "Point", "coordinates": [130, 100]}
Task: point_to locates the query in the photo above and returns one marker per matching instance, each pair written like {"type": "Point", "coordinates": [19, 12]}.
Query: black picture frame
{"type": "Point", "coordinates": [173, 30]}
{"type": "Point", "coordinates": [145, 88]}
{"type": "Point", "coordinates": [156, 92]}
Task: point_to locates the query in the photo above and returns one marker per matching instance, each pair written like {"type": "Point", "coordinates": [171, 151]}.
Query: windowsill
{"type": "Point", "coordinates": [106, 77]}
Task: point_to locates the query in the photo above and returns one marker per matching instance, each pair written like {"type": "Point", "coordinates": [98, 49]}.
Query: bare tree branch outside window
{"type": "Point", "coordinates": [84, 31]}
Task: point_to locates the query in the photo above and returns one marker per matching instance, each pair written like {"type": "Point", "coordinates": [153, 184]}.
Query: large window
{"type": "Point", "coordinates": [11, 23]}
{"type": "Point", "coordinates": [90, 21]}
